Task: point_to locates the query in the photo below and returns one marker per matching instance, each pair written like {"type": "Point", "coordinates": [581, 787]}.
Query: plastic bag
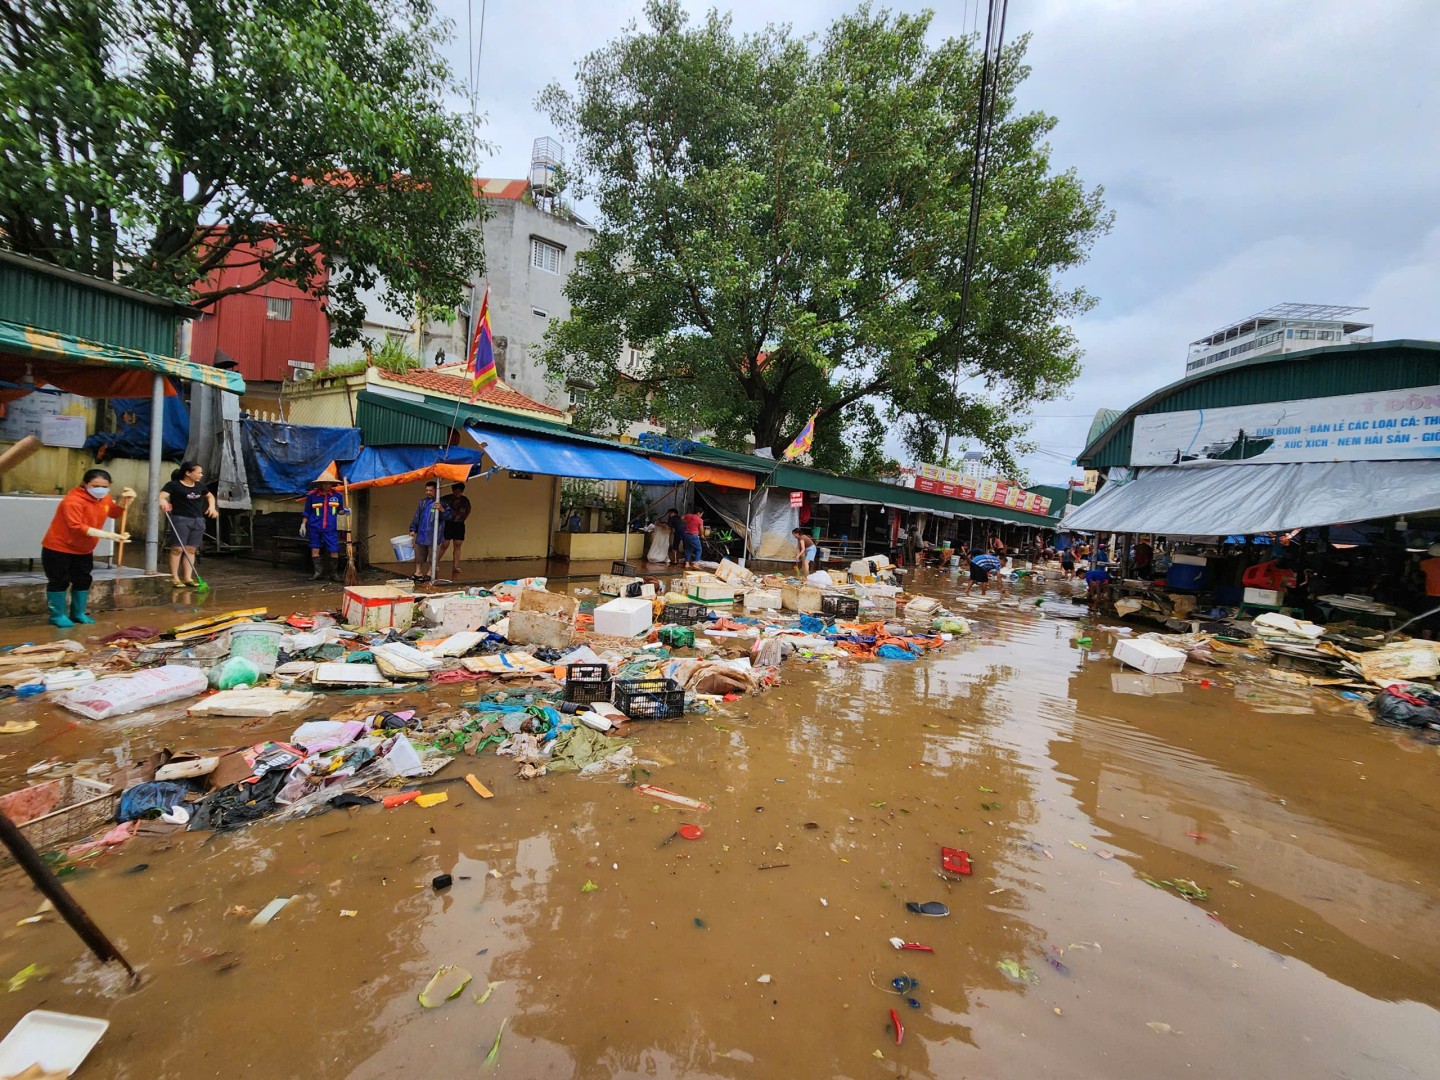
{"type": "Point", "coordinates": [118, 695]}
{"type": "Point", "coordinates": [1397, 708]}
{"type": "Point", "coordinates": [677, 637]}
{"type": "Point", "coordinates": [952, 625]}
{"type": "Point", "coordinates": [235, 672]}
{"type": "Point", "coordinates": [894, 652]}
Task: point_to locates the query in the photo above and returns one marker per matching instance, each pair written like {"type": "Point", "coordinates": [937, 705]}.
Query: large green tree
{"type": "Point", "coordinates": [155, 141]}
{"type": "Point", "coordinates": [782, 228]}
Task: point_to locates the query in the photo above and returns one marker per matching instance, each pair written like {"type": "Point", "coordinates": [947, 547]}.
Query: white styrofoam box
{"type": "Point", "coordinates": [1189, 560]}
{"type": "Point", "coordinates": [624, 617]}
{"type": "Point", "coordinates": [759, 599]}
{"type": "Point", "coordinates": [615, 584]}
{"type": "Point", "coordinates": [465, 613]}
{"type": "Point", "coordinates": [1264, 597]}
{"type": "Point", "coordinates": [1149, 656]}
{"type": "Point", "coordinates": [707, 592]}
{"type": "Point", "coordinates": [377, 607]}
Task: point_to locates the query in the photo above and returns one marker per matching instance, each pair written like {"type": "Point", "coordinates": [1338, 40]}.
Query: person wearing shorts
{"type": "Point", "coordinates": [186, 504]}
{"type": "Point", "coordinates": [806, 553]}
{"type": "Point", "coordinates": [981, 568]}
{"type": "Point", "coordinates": [423, 529]}
{"type": "Point", "coordinates": [452, 533]}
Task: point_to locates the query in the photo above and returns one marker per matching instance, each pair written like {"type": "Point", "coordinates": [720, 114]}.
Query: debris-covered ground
{"type": "Point", "coordinates": [1213, 872]}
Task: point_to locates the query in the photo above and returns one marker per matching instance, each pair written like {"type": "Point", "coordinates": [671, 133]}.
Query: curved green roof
{"type": "Point", "coordinates": [1362, 368]}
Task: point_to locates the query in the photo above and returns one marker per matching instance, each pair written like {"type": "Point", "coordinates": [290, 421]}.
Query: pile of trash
{"type": "Point", "coordinates": [1394, 676]}
{"type": "Point", "coordinates": [558, 684]}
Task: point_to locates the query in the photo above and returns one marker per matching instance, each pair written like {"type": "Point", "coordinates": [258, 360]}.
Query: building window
{"type": "Point", "coordinates": [277, 308]}
{"type": "Point", "coordinates": [1304, 335]}
{"type": "Point", "coordinates": [545, 255]}
{"type": "Point", "coordinates": [539, 313]}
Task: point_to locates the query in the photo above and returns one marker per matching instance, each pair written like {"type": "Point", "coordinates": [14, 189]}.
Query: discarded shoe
{"type": "Point", "coordinates": [932, 908]}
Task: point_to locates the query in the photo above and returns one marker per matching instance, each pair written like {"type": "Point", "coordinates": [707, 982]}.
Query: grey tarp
{"type": "Point", "coordinates": [1222, 500]}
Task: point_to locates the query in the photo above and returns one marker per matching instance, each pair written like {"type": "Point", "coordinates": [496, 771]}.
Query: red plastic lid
{"type": "Point", "coordinates": [691, 832]}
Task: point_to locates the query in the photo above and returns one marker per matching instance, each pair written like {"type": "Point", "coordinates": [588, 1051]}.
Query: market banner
{"type": "Point", "coordinates": [954, 484]}
{"type": "Point", "coordinates": [1392, 425]}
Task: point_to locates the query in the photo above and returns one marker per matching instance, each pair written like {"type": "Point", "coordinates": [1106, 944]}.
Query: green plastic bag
{"type": "Point", "coordinates": [677, 637]}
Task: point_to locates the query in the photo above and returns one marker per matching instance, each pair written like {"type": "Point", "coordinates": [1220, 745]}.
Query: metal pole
{"type": "Point", "coordinates": [864, 528]}
{"type": "Point", "coordinates": [628, 487]}
{"type": "Point", "coordinates": [157, 450]}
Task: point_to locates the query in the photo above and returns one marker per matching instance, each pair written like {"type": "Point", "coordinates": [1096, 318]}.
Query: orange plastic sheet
{"type": "Point", "coordinates": [708, 474]}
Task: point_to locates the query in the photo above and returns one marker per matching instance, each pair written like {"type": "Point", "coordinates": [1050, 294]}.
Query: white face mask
{"type": "Point", "coordinates": [98, 492]}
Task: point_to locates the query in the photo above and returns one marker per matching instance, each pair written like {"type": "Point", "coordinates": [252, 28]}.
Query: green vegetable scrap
{"type": "Point", "coordinates": [494, 1054]}
{"type": "Point", "coordinates": [589, 886]}
{"type": "Point", "coordinates": [1016, 973]}
{"type": "Point", "coordinates": [25, 974]}
{"type": "Point", "coordinates": [445, 985]}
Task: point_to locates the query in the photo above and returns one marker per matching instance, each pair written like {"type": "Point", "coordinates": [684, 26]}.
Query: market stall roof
{"type": "Point", "coordinates": [382, 466]}
{"type": "Point", "coordinates": [1222, 500]}
{"type": "Point", "coordinates": [707, 474]}
{"type": "Point", "coordinates": [566, 457]}
{"type": "Point", "coordinates": [840, 500]}
{"type": "Point", "coordinates": [1358, 368]}
{"type": "Point", "coordinates": [54, 356]}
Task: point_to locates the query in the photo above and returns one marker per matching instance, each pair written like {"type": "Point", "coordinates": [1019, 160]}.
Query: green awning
{"type": "Point", "coordinates": [46, 346]}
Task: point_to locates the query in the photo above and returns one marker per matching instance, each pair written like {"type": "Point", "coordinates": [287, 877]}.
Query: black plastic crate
{"type": "Point", "coordinates": [684, 614]}
{"type": "Point", "coordinates": [624, 569]}
{"type": "Point", "coordinates": [650, 699]}
{"type": "Point", "coordinates": [839, 607]}
{"type": "Point", "coordinates": [585, 683]}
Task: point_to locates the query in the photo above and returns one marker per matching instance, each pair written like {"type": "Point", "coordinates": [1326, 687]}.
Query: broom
{"type": "Point", "coordinates": [352, 576]}
{"type": "Point", "coordinates": [185, 556]}
{"type": "Point", "coordinates": [115, 591]}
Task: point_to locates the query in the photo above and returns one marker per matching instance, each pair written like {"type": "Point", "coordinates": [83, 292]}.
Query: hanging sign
{"type": "Point", "coordinates": [954, 484]}
{"type": "Point", "coordinates": [797, 498]}
{"type": "Point", "coordinates": [1390, 425]}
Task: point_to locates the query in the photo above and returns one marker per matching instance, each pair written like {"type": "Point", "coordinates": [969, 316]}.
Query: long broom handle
{"type": "Point", "coordinates": [50, 886]}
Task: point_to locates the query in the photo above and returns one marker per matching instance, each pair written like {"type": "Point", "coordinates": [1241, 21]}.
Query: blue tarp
{"type": "Point", "coordinates": [552, 457]}
{"type": "Point", "coordinates": [283, 459]}
{"type": "Point", "coordinates": [402, 464]}
{"type": "Point", "coordinates": [132, 437]}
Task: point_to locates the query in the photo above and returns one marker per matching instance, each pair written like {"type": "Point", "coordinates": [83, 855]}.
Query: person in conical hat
{"type": "Point", "coordinates": [324, 505]}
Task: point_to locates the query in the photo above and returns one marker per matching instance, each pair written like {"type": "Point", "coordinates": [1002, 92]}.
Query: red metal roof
{"type": "Point", "coordinates": [441, 381]}
{"type": "Point", "coordinates": [489, 188]}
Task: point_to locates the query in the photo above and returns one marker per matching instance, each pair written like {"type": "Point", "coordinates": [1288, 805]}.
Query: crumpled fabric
{"type": "Point", "coordinates": [239, 804]}
{"type": "Point", "coordinates": [812, 624]}
{"type": "Point", "coordinates": [895, 652]}
{"type": "Point", "coordinates": [580, 747]}
{"type": "Point", "coordinates": [157, 795]}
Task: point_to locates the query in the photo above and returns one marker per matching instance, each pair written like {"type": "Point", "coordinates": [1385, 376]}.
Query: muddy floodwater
{"type": "Point", "coordinates": [762, 948]}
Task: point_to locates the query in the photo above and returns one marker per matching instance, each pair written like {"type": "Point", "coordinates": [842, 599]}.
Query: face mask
{"type": "Point", "coordinates": [98, 492]}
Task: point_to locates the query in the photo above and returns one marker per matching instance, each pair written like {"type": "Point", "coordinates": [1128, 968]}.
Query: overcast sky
{"type": "Point", "coordinates": [1254, 151]}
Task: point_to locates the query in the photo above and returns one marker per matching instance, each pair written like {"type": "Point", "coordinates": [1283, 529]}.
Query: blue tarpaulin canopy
{"type": "Point", "coordinates": [131, 438]}
{"type": "Point", "coordinates": [284, 459]}
{"type": "Point", "coordinates": [380, 466]}
{"type": "Point", "coordinates": [552, 457]}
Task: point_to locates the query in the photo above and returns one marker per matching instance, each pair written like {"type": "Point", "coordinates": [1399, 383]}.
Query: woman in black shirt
{"type": "Point", "coordinates": [186, 504]}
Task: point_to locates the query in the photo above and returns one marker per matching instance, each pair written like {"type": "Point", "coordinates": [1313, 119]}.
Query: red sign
{"type": "Point", "coordinates": [991, 492]}
{"type": "Point", "coordinates": [797, 498]}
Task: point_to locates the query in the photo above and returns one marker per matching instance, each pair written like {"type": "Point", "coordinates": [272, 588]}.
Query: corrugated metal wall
{"type": "Point", "coordinates": [390, 427]}
{"type": "Point", "coordinates": [35, 298]}
{"type": "Point", "coordinates": [1328, 373]}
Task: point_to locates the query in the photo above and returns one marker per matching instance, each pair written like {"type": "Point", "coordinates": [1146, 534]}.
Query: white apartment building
{"type": "Point", "coordinates": [1280, 329]}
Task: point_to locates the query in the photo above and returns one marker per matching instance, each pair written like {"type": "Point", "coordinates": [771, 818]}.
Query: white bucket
{"type": "Point", "coordinates": [954, 560]}
{"type": "Point", "coordinates": [404, 548]}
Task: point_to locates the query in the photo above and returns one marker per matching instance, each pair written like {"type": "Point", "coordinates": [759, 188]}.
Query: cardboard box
{"type": "Point", "coordinates": [556, 605]}
{"type": "Point", "coordinates": [1127, 682]}
{"type": "Point", "coordinates": [537, 628]}
{"type": "Point", "coordinates": [1149, 656]}
{"type": "Point", "coordinates": [623, 617]}
{"type": "Point", "coordinates": [377, 607]}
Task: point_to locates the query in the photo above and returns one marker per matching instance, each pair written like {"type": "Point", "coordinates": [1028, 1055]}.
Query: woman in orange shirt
{"type": "Point", "coordinates": [68, 551]}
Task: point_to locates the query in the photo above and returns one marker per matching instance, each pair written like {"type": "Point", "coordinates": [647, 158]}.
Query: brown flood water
{"type": "Point", "coordinates": [1316, 954]}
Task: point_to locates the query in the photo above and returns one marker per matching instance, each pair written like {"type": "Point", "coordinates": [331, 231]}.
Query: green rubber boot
{"type": "Point", "coordinates": [78, 600]}
{"type": "Point", "coordinates": [55, 601]}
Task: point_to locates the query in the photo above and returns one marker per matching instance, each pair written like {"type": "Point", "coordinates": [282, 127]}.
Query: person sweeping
{"type": "Point", "coordinates": [324, 506]}
{"type": "Point", "coordinates": [68, 550]}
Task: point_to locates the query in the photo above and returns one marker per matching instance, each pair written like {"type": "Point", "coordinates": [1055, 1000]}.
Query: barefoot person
{"type": "Point", "coordinates": [68, 550]}
{"type": "Point", "coordinates": [452, 533]}
{"type": "Point", "coordinates": [982, 566]}
{"type": "Point", "coordinates": [805, 552]}
{"type": "Point", "coordinates": [186, 504]}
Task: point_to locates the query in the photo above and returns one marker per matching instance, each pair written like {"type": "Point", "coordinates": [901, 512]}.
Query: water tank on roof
{"type": "Point", "coordinates": [546, 158]}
